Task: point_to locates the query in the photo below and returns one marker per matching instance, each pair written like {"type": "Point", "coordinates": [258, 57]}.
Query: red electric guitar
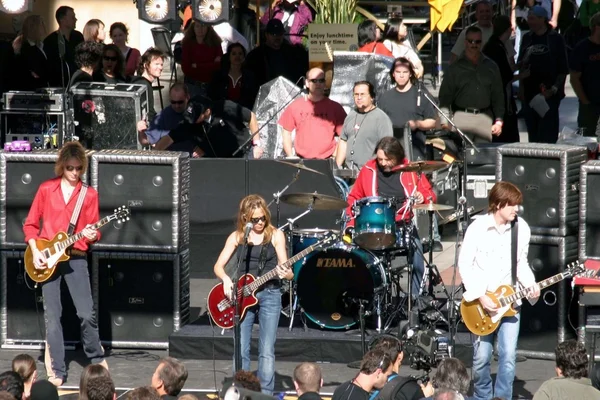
{"type": "Point", "coordinates": [220, 308]}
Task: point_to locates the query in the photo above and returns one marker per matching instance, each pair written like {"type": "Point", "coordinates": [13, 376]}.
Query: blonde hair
{"type": "Point", "coordinates": [90, 30]}
{"type": "Point", "coordinates": [68, 151]}
{"type": "Point", "coordinates": [24, 365]}
{"type": "Point", "coordinates": [31, 28]}
{"type": "Point", "coordinates": [247, 207]}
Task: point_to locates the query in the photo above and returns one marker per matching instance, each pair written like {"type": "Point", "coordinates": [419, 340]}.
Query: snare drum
{"type": "Point", "coordinates": [375, 226]}
{"type": "Point", "coordinates": [331, 279]}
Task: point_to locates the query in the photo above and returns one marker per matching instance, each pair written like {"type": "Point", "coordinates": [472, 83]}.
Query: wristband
{"type": "Point", "coordinates": [498, 122]}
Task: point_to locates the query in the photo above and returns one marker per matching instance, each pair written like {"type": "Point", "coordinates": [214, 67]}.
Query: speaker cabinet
{"type": "Point", "coordinates": [155, 185]}
{"type": "Point", "coordinates": [20, 177]}
{"type": "Point", "coordinates": [547, 175]}
{"type": "Point", "coordinates": [22, 307]}
{"type": "Point", "coordinates": [142, 297]}
{"type": "Point", "coordinates": [548, 256]}
{"type": "Point", "coordinates": [589, 211]}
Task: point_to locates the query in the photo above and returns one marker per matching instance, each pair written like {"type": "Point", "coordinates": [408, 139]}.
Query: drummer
{"type": "Point", "coordinates": [382, 177]}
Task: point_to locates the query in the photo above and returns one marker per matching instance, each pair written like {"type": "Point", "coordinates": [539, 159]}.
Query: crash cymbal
{"type": "Point", "coordinates": [300, 165]}
{"type": "Point", "coordinates": [318, 201]}
{"type": "Point", "coordinates": [432, 207]}
{"type": "Point", "coordinates": [422, 166]}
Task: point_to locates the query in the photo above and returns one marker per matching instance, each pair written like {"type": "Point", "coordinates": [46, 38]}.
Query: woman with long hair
{"type": "Point", "coordinates": [90, 372]}
{"type": "Point", "coordinates": [93, 31]}
{"type": "Point", "coordinates": [233, 81]}
{"type": "Point", "coordinates": [111, 67]}
{"type": "Point", "coordinates": [201, 56]}
{"type": "Point", "coordinates": [369, 36]}
{"type": "Point", "coordinates": [394, 39]}
{"type": "Point", "coordinates": [24, 365]}
{"type": "Point", "coordinates": [265, 251]}
{"type": "Point", "coordinates": [31, 57]}
{"type": "Point", "coordinates": [119, 35]}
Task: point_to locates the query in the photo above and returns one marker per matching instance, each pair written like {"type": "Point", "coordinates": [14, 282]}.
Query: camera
{"type": "Point", "coordinates": [425, 348]}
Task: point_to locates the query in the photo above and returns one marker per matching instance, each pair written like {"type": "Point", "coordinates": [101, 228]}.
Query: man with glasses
{"type": "Point", "coordinates": [362, 129]}
{"type": "Point", "coordinates": [472, 91]}
{"type": "Point", "coordinates": [171, 116]}
{"type": "Point", "coordinates": [375, 368]}
{"type": "Point", "coordinates": [316, 119]}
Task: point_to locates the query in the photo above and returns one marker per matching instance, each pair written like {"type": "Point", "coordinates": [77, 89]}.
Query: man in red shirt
{"type": "Point", "coordinates": [53, 205]}
{"type": "Point", "coordinates": [316, 119]}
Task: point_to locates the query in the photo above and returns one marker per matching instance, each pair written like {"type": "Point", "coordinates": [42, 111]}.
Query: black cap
{"type": "Point", "coordinates": [275, 27]}
{"type": "Point", "coordinates": [43, 390]}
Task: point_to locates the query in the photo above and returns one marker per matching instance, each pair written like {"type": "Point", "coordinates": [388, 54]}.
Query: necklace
{"type": "Point", "coordinates": [357, 127]}
{"type": "Point", "coordinates": [354, 381]}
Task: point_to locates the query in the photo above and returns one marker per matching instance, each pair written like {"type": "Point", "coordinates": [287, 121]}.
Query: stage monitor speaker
{"type": "Point", "coordinates": [548, 256]}
{"type": "Point", "coordinates": [22, 307]}
{"type": "Point", "coordinates": [155, 185]}
{"type": "Point", "coordinates": [142, 297]}
{"type": "Point", "coordinates": [589, 211]}
{"type": "Point", "coordinates": [20, 177]}
{"type": "Point", "coordinates": [547, 175]}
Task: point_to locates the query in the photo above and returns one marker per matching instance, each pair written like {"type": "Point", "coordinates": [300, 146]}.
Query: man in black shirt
{"type": "Point", "coordinates": [308, 381]}
{"type": "Point", "coordinates": [375, 368]}
{"type": "Point", "coordinates": [59, 47]}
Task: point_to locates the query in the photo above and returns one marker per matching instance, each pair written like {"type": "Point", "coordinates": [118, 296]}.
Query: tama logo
{"type": "Point", "coordinates": [136, 300]}
{"type": "Point", "coordinates": [532, 187]}
{"type": "Point", "coordinates": [135, 203]}
{"type": "Point", "coordinates": [335, 263]}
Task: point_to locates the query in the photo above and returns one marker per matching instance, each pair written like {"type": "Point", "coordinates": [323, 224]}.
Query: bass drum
{"type": "Point", "coordinates": [331, 280]}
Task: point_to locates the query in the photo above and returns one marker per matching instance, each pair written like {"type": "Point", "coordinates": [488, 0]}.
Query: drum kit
{"type": "Point", "coordinates": [360, 270]}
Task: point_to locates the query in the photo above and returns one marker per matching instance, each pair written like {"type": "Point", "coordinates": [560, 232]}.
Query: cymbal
{"type": "Point", "coordinates": [422, 166]}
{"type": "Point", "coordinates": [432, 207]}
{"type": "Point", "coordinates": [300, 165]}
{"type": "Point", "coordinates": [318, 201]}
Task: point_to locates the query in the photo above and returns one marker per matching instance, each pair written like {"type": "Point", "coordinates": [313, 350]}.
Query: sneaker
{"type": "Point", "coordinates": [437, 246]}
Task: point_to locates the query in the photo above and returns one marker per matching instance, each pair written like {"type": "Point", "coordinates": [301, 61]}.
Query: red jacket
{"type": "Point", "coordinates": [366, 186]}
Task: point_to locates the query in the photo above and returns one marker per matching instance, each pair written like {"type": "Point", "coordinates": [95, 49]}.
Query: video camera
{"type": "Point", "coordinates": [425, 348]}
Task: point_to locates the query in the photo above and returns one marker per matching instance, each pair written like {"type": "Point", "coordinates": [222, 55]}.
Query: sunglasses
{"type": "Point", "coordinates": [473, 41]}
{"type": "Point", "coordinates": [106, 58]}
{"type": "Point", "coordinates": [259, 219]}
{"type": "Point", "coordinates": [71, 168]}
{"type": "Point", "coordinates": [174, 102]}
{"type": "Point", "coordinates": [320, 80]}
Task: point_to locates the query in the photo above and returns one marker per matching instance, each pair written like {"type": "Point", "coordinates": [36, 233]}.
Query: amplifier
{"type": "Point", "coordinates": [43, 129]}
{"type": "Point", "coordinates": [34, 101]}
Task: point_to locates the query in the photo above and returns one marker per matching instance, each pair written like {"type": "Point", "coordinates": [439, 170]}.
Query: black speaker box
{"type": "Point", "coordinates": [22, 306]}
{"type": "Point", "coordinates": [155, 185]}
{"type": "Point", "coordinates": [547, 175]}
{"type": "Point", "coordinates": [589, 211]}
{"type": "Point", "coordinates": [20, 177]}
{"type": "Point", "coordinates": [142, 297]}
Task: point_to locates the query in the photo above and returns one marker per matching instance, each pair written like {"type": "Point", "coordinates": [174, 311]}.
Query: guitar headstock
{"type": "Point", "coordinates": [578, 269]}
{"type": "Point", "coordinates": [327, 241]}
{"type": "Point", "coordinates": [121, 214]}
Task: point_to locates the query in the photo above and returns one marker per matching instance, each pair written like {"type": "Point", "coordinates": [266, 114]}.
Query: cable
{"type": "Point", "coordinates": [214, 361]}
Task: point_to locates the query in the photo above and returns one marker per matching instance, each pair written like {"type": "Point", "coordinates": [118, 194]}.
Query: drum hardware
{"type": "Point", "coordinates": [315, 200]}
{"type": "Point", "coordinates": [363, 344]}
{"type": "Point", "coordinates": [300, 165]}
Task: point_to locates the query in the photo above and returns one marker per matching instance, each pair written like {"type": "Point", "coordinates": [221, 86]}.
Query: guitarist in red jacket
{"type": "Point", "coordinates": [53, 205]}
{"type": "Point", "coordinates": [266, 250]}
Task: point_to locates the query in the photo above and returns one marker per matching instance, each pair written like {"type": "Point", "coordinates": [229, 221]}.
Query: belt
{"type": "Point", "coordinates": [79, 253]}
{"type": "Point", "coordinates": [472, 110]}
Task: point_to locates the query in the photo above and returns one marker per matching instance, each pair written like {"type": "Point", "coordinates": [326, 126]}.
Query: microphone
{"type": "Point", "coordinates": [247, 230]}
{"type": "Point", "coordinates": [419, 94]}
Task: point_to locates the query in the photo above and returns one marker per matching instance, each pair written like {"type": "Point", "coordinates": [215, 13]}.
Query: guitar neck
{"type": "Point", "coordinates": [504, 301]}
{"type": "Point", "coordinates": [273, 273]}
{"type": "Point", "coordinates": [78, 236]}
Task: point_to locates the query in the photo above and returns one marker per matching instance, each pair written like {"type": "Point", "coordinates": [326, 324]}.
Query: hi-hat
{"type": "Point", "coordinates": [318, 201]}
{"type": "Point", "coordinates": [422, 166]}
{"type": "Point", "coordinates": [300, 165]}
{"type": "Point", "coordinates": [432, 207]}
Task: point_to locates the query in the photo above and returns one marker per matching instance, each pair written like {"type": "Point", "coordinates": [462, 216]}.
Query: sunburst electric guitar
{"type": "Point", "coordinates": [55, 250]}
{"type": "Point", "coordinates": [481, 323]}
{"type": "Point", "coordinates": [220, 307]}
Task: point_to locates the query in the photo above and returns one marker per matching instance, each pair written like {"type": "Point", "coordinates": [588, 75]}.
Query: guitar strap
{"type": "Point", "coordinates": [514, 231]}
{"type": "Point", "coordinates": [77, 209]}
{"type": "Point", "coordinates": [262, 259]}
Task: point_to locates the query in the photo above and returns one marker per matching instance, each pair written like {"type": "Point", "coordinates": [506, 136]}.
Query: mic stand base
{"type": "Point", "coordinates": [361, 317]}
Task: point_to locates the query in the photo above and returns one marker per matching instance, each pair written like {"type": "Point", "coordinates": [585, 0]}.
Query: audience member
{"type": "Point", "coordinates": [394, 39]}
{"type": "Point", "coordinates": [119, 35]}
{"type": "Point", "coordinates": [87, 58]}
{"type": "Point", "coordinates": [201, 56]}
{"type": "Point", "coordinates": [12, 383]}
{"type": "Point", "coordinates": [90, 373]}
{"type": "Point", "coordinates": [43, 390]}
{"type": "Point", "coordinates": [171, 116]}
{"type": "Point", "coordinates": [375, 368]}
{"type": "Point", "coordinates": [308, 380]}
{"type": "Point", "coordinates": [169, 378]}
{"type": "Point", "coordinates": [316, 119]}
{"type": "Point", "coordinates": [60, 45]}
{"type": "Point", "coordinates": [571, 381]}
{"type": "Point", "coordinates": [448, 395]}
{"type": "Point", "coordinates": [144, 393]}
{"type": "Point", "coordinates": [295, 16]}
{"type": "Point", "coordinates": [25, 366]}
{"type": "Point", "coordinates": [187, 397]}
{"type": "Point", "coordinates": [32, 62]}
{"type": "Point", "coordinates": [150, 68]}
{"type": "Point", "coordinates": [93, 31]}
{"type": "Point", "coordinates": [247, 380]}
{"type": "Point", "coordinates": [101, 388]}
{"type": "Point", "coordinates": [451, 374]}
{"type": "Point", "coordinates": [363, 127]}
{"type": "Point", "coordinates": [369, 36]}
{"type": "Point", "coordinates": [111, 69]}
{"type": "Point", "coordinates": [275, 57]}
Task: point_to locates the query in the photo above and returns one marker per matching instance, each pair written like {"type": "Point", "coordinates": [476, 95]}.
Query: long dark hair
{"type": "Point", "coordinates": [225, 61]}
{"type": "Point", "coordinates": [211, 38]}
{"type": "Point", "coordinates": [367, 32]}
{"type": "Point", "coordinates": [392, 148]}
{"type": "Point", "coordinates": [392, 29]}
{"type": "Point", "coordinates": [120, 67]}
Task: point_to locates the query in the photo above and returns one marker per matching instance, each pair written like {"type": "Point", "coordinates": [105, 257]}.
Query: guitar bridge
{"type": "Point", "coordinates": [223, 305]}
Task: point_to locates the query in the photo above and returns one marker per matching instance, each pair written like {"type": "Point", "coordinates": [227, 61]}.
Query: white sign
{"type": "Point", "coordinates": [324, 39]}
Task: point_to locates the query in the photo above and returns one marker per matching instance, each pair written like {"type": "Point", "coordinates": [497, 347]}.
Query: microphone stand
{"type": "Point", "coordinates": [462, 219]}
{"type": "Point", "coordinates": [237, 345]}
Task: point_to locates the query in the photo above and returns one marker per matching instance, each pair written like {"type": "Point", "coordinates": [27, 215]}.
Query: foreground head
{"type": "Point", "coordinates": [169, 377]}
{"type": "Point", "coordinates": [24, 365]}
{"type": "Point", "coordinates": [402, 72]}
{"type": "Point", "coordinates": [43, 390]}
{"type": "Point", "coordinates": [180, 96]}
{"type": "Point", "coordinates": [91, 373]}
{"type": "Point", "coordinates": [143, 393]}
{"type": "Point", "coordinates": [392, 346]}
{"type": "Point", "coordinates": [571, 359]}
{"type": "Point", "coordinates": [378, 366]}
{"type": "Point", "coordinates": [88, 54]}
{"type": "Point", "coordinates": [452, 374]}
{"type": "Point", "coordinates": [307, 378]}
{"type": "Point", "coordinates": [12, 383]}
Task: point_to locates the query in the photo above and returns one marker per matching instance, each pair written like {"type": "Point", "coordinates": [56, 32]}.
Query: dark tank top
{"type": "Point", "coordinates": [251, 260]}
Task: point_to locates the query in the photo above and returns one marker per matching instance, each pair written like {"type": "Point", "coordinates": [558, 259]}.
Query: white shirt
{"type": "Point", "coordinates": [486, 34]}
{"type": "Point", "coordinates": [484, 262]}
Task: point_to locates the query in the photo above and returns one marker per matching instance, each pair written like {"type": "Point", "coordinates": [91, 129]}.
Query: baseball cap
{"type": "Point", "coordinates": [275, 27]}
{"type": "Point", "coordinates": [538, 11]}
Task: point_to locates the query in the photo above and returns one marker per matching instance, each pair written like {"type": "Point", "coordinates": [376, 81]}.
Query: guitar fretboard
{"type": "Point", "coordinates": [78, 236]}
{"type": "Point", "coordinates": [505, 301]}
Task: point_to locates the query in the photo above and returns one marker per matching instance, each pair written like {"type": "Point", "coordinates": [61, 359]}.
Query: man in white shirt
{"type": "Point", "coordinates": [484, 264]}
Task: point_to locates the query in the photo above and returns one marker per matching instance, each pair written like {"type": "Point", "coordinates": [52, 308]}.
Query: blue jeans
{"type": "Point", "coordinates": [508, 333]}
{"type": "Point", "coordinates": [416, 259]}
{"type": "Point", "coordinates": [269, 310]}
{"type": "Point", "coordinates": [543, 130]}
